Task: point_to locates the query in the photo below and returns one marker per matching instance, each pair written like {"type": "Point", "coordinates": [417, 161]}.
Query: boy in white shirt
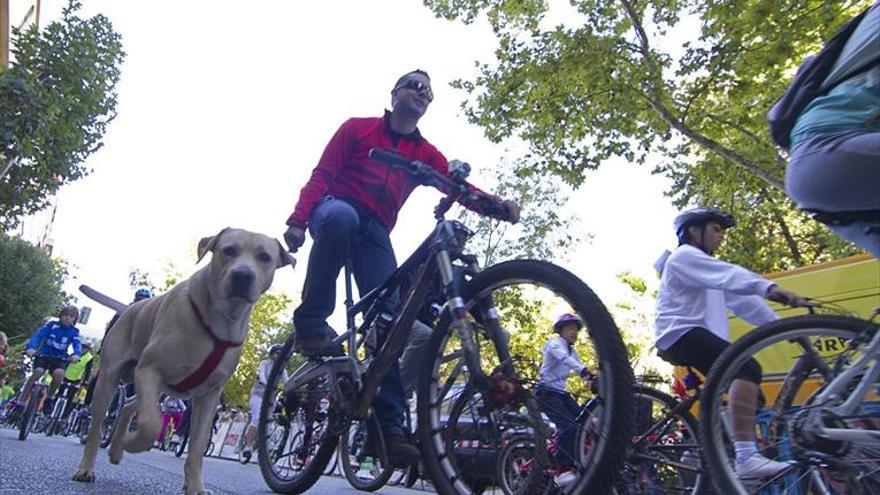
{"type": "Point", "coordinates": [696, 290]}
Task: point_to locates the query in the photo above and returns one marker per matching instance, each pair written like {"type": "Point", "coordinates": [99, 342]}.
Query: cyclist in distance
{"type": "Point", "coordinates": [256, 398]}
{"type": "Point", "coordinates": [51, 344]}
{"type": "Point", "coordinates": [561, 360]}
{"type": "Point", "coordinates": [696, 290]}
{"type": "Point", "coordinates": [77, 374]}
{"type": "Point", "coordinates": [350, 204]}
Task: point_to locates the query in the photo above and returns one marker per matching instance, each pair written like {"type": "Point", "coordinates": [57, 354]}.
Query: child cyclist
{"type": "Point", "coordinates": [561, 360]}
{"type": "Point", "coordinates": [51, 344]}
{"type": "Point", "coordinates": [256, 399]}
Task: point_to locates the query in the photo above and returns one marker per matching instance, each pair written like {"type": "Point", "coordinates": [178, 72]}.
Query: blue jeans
{"type": "Point", "coordinates": [562, 410]}
{"type": "Point", "coordinates": [339, 230]}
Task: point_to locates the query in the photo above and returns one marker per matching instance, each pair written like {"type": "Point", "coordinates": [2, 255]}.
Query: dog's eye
{"type": "Point", "coordinates": [264, 257]}
{"type": "Point", "coordinates": [230, 251]}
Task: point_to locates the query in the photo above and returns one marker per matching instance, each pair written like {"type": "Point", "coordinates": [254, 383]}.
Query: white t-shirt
{"type": "Point", "coordinates": [696, 290]}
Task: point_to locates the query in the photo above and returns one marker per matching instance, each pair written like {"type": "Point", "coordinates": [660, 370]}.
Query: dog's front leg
{"type": "Point", "coordinates": [149, 422]}
{"type": "Point", "coordinates": [115, 449]}
{"type": "Point", "coordinates": [107, 379]}
{"type": "Point", "coordinates": [201, 418]}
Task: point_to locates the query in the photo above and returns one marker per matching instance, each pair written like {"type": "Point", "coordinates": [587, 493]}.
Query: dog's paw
{"type": "Point", "coordinates": [115, 455]}
{"type": "Point", "coordinates": [84, 475]}
{"type": "Point", "coordinates": [203, 491]}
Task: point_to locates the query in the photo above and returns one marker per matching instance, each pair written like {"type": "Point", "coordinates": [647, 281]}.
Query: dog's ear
{"type": "Point", "coordinates": [208, 244]}
{"type": "Point", "coordinates": [284, 258]}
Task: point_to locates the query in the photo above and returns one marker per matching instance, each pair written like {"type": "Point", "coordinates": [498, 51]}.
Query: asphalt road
{"type": "Point", "coordinates": [42, 465]}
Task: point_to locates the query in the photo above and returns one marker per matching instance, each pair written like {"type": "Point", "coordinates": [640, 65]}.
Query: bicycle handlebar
{"type": "Point", "coordinates": [460, 189]}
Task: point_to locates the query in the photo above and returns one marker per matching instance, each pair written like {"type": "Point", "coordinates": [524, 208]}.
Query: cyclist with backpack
{"type": "Point", "coordinates": [696, 290]}
{"type": "Point", "coordinates": [829, 118]}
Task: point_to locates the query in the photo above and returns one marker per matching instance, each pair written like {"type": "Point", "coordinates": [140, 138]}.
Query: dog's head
{"type": "Point", "coordinates": [243, 263]}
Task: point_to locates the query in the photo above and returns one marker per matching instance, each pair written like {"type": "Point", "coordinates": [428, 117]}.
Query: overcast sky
{"type": "Point", "coordinates": [225, 107]}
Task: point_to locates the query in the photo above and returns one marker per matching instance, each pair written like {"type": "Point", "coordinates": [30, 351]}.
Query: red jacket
{"type": "Point", "coordinates": [346, 170]}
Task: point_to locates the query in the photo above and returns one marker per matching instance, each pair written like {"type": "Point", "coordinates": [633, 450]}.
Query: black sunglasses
{"type": "Point", "coordinates": [419, 87]}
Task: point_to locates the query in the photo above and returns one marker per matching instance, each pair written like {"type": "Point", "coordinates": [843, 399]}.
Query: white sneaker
{"type": "Point", "coordinates": [565, 479]}
{"type": "Point", "coordinates": [759, 467]}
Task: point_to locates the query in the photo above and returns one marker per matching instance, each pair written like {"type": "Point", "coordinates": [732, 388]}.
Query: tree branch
{"type": "Point", "coordinates": [674, 122]}
{"type": "Point", "coordinates": [789, 239]}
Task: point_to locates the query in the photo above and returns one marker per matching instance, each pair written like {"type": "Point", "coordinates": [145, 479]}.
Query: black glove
{"type": "Point", "coordinates": [294, 237]}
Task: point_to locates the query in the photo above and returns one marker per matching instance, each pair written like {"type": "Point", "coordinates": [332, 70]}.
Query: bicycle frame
{"type": "Point", "coordinates": [837, 389]}
{"type": "Point", "coordinates": [433, 257]}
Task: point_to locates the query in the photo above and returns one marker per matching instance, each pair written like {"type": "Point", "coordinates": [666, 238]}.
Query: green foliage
{"type": "Point", "coordinates": [56, 101]}
{"type": "Point", "coordinates": [269, 324]}
{"type": "Point", "coordinates": [617, 81]}
{"type": "Point", "coordinates": [543, 232]}
{"type": "Point", "coordinates": [31, 287]}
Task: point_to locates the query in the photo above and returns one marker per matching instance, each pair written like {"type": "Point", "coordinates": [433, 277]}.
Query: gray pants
{"type": "Point", "coordinates": [414, 356]}
{"type": "Point", "coordinates": [840, 173]}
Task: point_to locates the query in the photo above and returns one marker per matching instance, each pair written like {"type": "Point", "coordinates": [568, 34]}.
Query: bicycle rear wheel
{"type": "Point", "coordinates": [665, 454]}
{"type": "Point", "coordinates": [310, 442]}
{"type": "Point", "coordinates": [524, 296]}
{"type": "Point", "coordinates": [363, 469]}
{"type": "Point", "coordinates": [822, 346]}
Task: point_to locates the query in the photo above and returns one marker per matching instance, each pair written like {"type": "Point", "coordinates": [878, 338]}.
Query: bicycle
{"type": "Point", "coordinates": [79, 420]}
{"type": "Point", "coordinates": [184, 435]}
{"type": "Point", "coordinates": [57, 422]}
{"type": "Point", "coordinates": [32, 417]}
{"type": "Point", "coordinates": [470, 345]}
{"type": "Point", "coordinates": [823, 414]}
{"type": "Point", "coordinates": [114, 413]}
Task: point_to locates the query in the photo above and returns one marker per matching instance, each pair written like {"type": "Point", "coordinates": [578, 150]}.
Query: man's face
{"type": "Point", "coordinates": [408, 99]}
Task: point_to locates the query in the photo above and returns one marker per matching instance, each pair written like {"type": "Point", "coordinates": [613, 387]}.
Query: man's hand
{"type": "Point", "coordinates": [30, 352]}
{"type": "Point", "coordinates": [512, 210]}
{"type": "Point", "coordinates": [294, 237]}
{"type": "Point", "coordinates": [73, 358]}
{"type": "Point", "coordinates": [780, 295]}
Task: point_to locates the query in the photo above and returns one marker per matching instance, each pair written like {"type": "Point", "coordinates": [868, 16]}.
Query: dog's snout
{"type": "Point", "coordinates": [242, 279]}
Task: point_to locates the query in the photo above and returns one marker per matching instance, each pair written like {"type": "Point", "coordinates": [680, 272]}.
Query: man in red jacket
{"type": "Point", "coordinates": [350, 204]}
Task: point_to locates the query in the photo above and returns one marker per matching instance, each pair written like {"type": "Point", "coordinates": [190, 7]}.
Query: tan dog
{"type": "Point", "coordinates": [186, 343]}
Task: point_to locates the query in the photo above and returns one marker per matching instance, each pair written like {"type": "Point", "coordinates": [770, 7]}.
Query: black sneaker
{"type": "Point", "coordinates": [401, 453]}
{"type": "Point", "coordinates": [314, 344]}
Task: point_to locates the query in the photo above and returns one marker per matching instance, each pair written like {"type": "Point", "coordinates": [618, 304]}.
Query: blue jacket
{"type": "Point", "coordinates": [54, 339]}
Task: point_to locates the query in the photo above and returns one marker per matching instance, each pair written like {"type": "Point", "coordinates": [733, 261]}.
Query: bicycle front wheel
{"type": "Point", "coordinates": [294, 465]}
{"type": "Point", "coordinates": [28, 416]}
{"type": "Point", "coordinates": [801, 357]}
{"type": "Point", "coordinates": [511, 307]}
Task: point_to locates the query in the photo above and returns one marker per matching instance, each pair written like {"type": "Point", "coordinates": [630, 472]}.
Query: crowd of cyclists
{"type": "Point", "coordinates": [350, 204]}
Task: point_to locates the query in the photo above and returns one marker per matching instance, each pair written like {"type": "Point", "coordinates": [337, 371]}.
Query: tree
{"type": "Point", "coordinates": [31, 283]}
{"type": "Point", "coordinates": [543, 232]}
{"type": "Point", "coordinates": [616, 82]}
{"type": "Point", "coordinates": [56, 101]}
